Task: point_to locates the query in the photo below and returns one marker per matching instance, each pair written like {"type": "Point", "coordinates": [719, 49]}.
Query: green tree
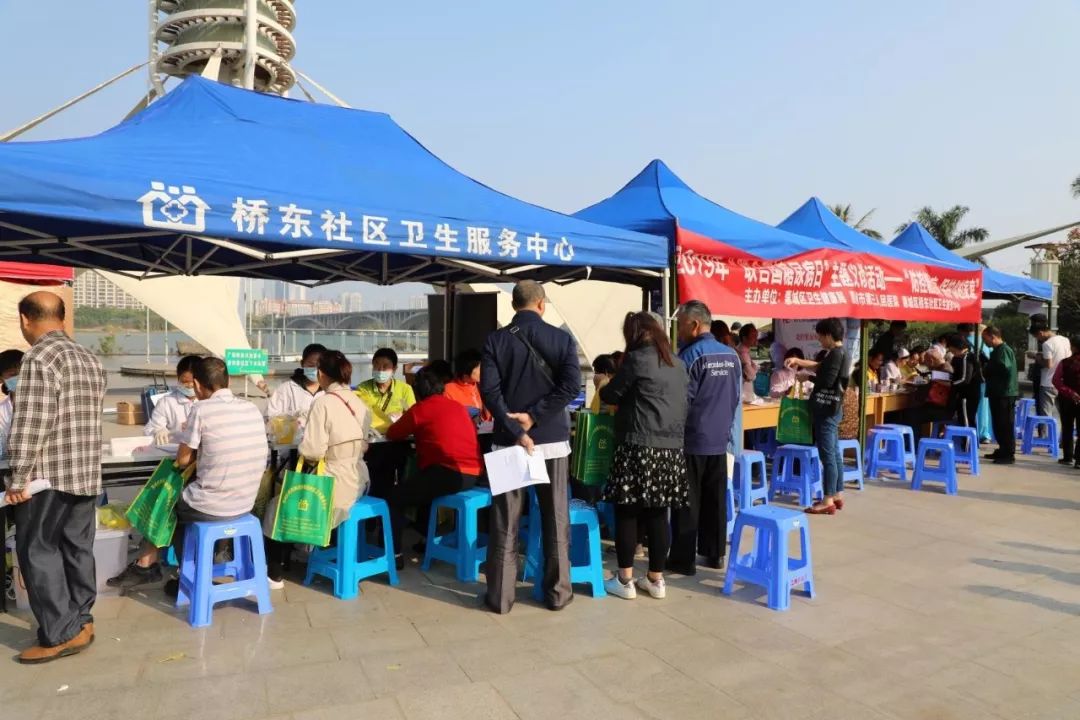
{"type": "Point", "coordinates": [844, 213]}
{"type": "Point", "coordinates": [945, 226]}
{"type": "Point", "coordinates": [1075, 187]}
{"type": "Point", "coordinates": [108, 345]}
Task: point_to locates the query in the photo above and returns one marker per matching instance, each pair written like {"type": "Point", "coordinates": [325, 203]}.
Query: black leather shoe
{"type": "Point", "coordinates": [687, 570]}
{"type": "Point", "coordinates": [1004, 461]}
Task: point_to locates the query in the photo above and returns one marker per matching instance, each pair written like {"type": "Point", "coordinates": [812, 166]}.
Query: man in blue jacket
{"type": "Point", "coordinates": [714, 395]}
{"type": "Point", "coordinates": [529, 373]}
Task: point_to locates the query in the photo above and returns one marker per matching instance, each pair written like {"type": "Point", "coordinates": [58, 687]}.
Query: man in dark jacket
{"type": "Point", "coordinates": [1001, 392]}
{"type": "Point", "coordinates": [714, 393]}
{"type": "Point", "coordinates": [528, 376]}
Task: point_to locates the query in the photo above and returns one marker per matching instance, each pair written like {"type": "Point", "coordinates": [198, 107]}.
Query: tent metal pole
{"type": "Point", "coordinates": [864, 351]}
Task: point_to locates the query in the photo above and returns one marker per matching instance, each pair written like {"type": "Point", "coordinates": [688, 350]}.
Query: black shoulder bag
{"type": "Point", "coordinates": [537, 358]}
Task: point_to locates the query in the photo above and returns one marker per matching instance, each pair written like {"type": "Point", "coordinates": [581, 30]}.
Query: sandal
{"type": "Point", "coordinates": [821, 510]}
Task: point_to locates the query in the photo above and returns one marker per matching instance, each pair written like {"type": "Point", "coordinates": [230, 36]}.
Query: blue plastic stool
{"type": "Point", "coordinates": [352, 559]}
{"type": "Point", "coordinates": [1024, 407]}
{"type": "Point", "coordinates": [885, 452]}
{"type": "Point", "coordinates": [586, 556]}
{"type": "Point", "coordinates": [747, 493]}
{"type": "Point", "coordinates": [805, 481]}
{"type": "Point", "coordinates": [764, 441]}
{"type": "Point", "coordinates": [729, 498]}
{"type": "Point", "coordinates": [247, 568]}
{"type": "Point", "coordinates": [768, 564]}
{"type": "Point", "coordinates": [944, 471]}
{"type": "Point", "coordinates": [464, 548]}
{"type": "Point", "coordinates": [965, 442]}
{"type": "Point", "coordinates": [1031, 440]}
{"type": "Point", "coordinates": [908, 434]}
{"type": "Point", "coordinates": [852, 473]}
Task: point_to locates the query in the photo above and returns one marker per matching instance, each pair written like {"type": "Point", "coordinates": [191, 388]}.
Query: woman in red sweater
{"type": "Point", "coordinates": [447, 451]}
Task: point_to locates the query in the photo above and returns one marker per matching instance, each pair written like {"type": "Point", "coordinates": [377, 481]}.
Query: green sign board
{"type": "Point", "coordinates": [245, 361]}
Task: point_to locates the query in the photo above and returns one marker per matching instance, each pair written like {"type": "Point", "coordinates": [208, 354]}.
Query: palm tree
{"type": "Point", "coordinates": [1076, 186]}
{"type": "Point", "coordinates": [844, 213]}
{"type": "Point", "coordinates": [945, 226]}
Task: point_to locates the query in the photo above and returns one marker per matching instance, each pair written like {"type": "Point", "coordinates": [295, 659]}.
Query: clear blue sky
{"type": "Point", "coordinates": [758, 106]}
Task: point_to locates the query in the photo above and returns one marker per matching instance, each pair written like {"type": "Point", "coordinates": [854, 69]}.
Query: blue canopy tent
{"type": "Point", "coordinates": [215, 180]}
{"type": "Point", "coordinates": [814, 219]}
{"type": "Point", "coordinates": [752, 268]}
{"type": "Point", "coordinates": [996, 285]}
{"type": "Point", "coordinates": [657, 201]}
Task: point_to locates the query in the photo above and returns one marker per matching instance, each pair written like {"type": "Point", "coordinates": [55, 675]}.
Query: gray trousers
{"type": "Point", "coordinates": [502, 558]}
{"type": "Point", "coordinates": [54, 537]}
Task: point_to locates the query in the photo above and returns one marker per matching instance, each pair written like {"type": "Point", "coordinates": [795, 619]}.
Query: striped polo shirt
{"type": "Point", "coordinates": [232, 453]}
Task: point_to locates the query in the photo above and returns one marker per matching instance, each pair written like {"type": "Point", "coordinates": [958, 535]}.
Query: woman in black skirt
{"type": "Point", "coordinates": [648, 473]}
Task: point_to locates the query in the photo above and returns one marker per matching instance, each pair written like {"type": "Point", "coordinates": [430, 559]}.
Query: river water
{"type": "Point", "coordinates": [157, 349]}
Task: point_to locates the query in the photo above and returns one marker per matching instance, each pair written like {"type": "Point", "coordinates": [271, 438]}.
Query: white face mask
{"type": "Point", "coordinates": [187, 391]}
{"type": "Point", "coordinates": [382, 376]}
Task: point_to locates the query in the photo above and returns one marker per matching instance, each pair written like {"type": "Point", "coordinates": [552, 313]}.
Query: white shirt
{"type": "Point", "coordinates": [548, 451]}
{"type": "Point", "coordinates": [1054, 349]}
{"type": "Point", "coordinates": [890, 372]}
{"type": "Point", "coordinates": [170, 413]}
{"type": "Point", "coordinates": [229, 435]}
{"type": "Point", "coordinates": [5, 423]}
{"type": "Point", "coordinates": [291, 400]}
{"type": "Point", "coordinates": [749, 367]}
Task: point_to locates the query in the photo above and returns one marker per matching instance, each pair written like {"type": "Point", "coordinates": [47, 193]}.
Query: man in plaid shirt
{"type": "Point", "coordinates": [56, 437]}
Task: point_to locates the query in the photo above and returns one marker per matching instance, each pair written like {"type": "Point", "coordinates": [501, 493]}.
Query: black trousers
{"type": "Point", "coordinates": [1003, 418]}
{"type": "Point", "coordinates": [54, 537]}
{"type": "Point", "coordinates": [700, 528]}
{"type": "Point", "coordinates": [419, 490]}
{"type": "Point", "coordinates": [386, 465]}
{"type": "Point", "coordinates": [1070, 417]}
{"type": "Point", "coordinates": [967, 408]}
{"type": "Point", "coordinates": [631, 521]}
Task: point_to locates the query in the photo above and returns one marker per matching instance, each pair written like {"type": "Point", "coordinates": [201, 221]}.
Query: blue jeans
{"type": "Point", "coordinates": [827, 439]}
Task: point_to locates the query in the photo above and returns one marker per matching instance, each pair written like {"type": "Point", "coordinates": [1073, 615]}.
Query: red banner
{"type": "Point", "coordinates": [823, 283]}
{"type": "Point", "coordinates": [34, 272]}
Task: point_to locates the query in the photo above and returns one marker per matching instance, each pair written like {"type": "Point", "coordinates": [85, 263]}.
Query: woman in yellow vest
{"type": "Point", "coordinates": [387, 397]}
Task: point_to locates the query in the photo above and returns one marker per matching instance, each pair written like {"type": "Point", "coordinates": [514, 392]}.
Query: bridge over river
{"type": "Point", "coordinates": [402, 319]}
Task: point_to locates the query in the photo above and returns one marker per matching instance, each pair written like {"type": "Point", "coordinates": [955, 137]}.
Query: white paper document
{"type": "Point", "coordinates": [512, 468]}
{"type": "Point", "coordinates": [34, 487]}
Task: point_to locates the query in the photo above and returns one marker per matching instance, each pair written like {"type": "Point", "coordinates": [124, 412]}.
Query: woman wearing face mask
{"type": "Point", "coordinates": [170, 415]}
{"type": "Point", "coordinates": [10, 360]}
{"type": "Point", "coordinates": [294, 397]}
{"type": "Point", "coordinates": [387, 398]}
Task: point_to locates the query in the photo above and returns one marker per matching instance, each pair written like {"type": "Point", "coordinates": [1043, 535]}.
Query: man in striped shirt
{"type": "Point", "coordinates": [229, 439]}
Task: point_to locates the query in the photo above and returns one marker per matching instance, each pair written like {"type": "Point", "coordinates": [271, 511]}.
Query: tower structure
{"type": "Point", "coordinates": [247, 43]}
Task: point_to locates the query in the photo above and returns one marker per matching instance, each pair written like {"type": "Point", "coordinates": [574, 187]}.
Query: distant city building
{"type": "Point", "coordinates": [352, 302]}
{"type": "Point", "coordinates": [91, 290]}
{"type": "Point", "coordinates": [296, 292]}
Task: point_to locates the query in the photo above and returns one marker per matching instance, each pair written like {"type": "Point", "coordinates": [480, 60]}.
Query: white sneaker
{"type": "Point", "coordinates": [657, 590]}
{"type": "Point", "coordinates": [616, 587]}
{"type": "Point", "coordinates": [275, 584]}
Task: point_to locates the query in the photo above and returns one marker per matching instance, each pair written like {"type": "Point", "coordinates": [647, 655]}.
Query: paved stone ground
{"type": "Point", "coordinates": [928, 607]}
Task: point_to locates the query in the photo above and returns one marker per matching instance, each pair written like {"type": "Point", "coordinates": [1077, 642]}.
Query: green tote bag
{"type": "Point", "coordinates": [794, 426]}
{"type": "Point", "coordinates": [151, 513]}
{"type": "Point", "coordinates": [594, 447]}
{"type": "Point", "coordinates": [305, 507]}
